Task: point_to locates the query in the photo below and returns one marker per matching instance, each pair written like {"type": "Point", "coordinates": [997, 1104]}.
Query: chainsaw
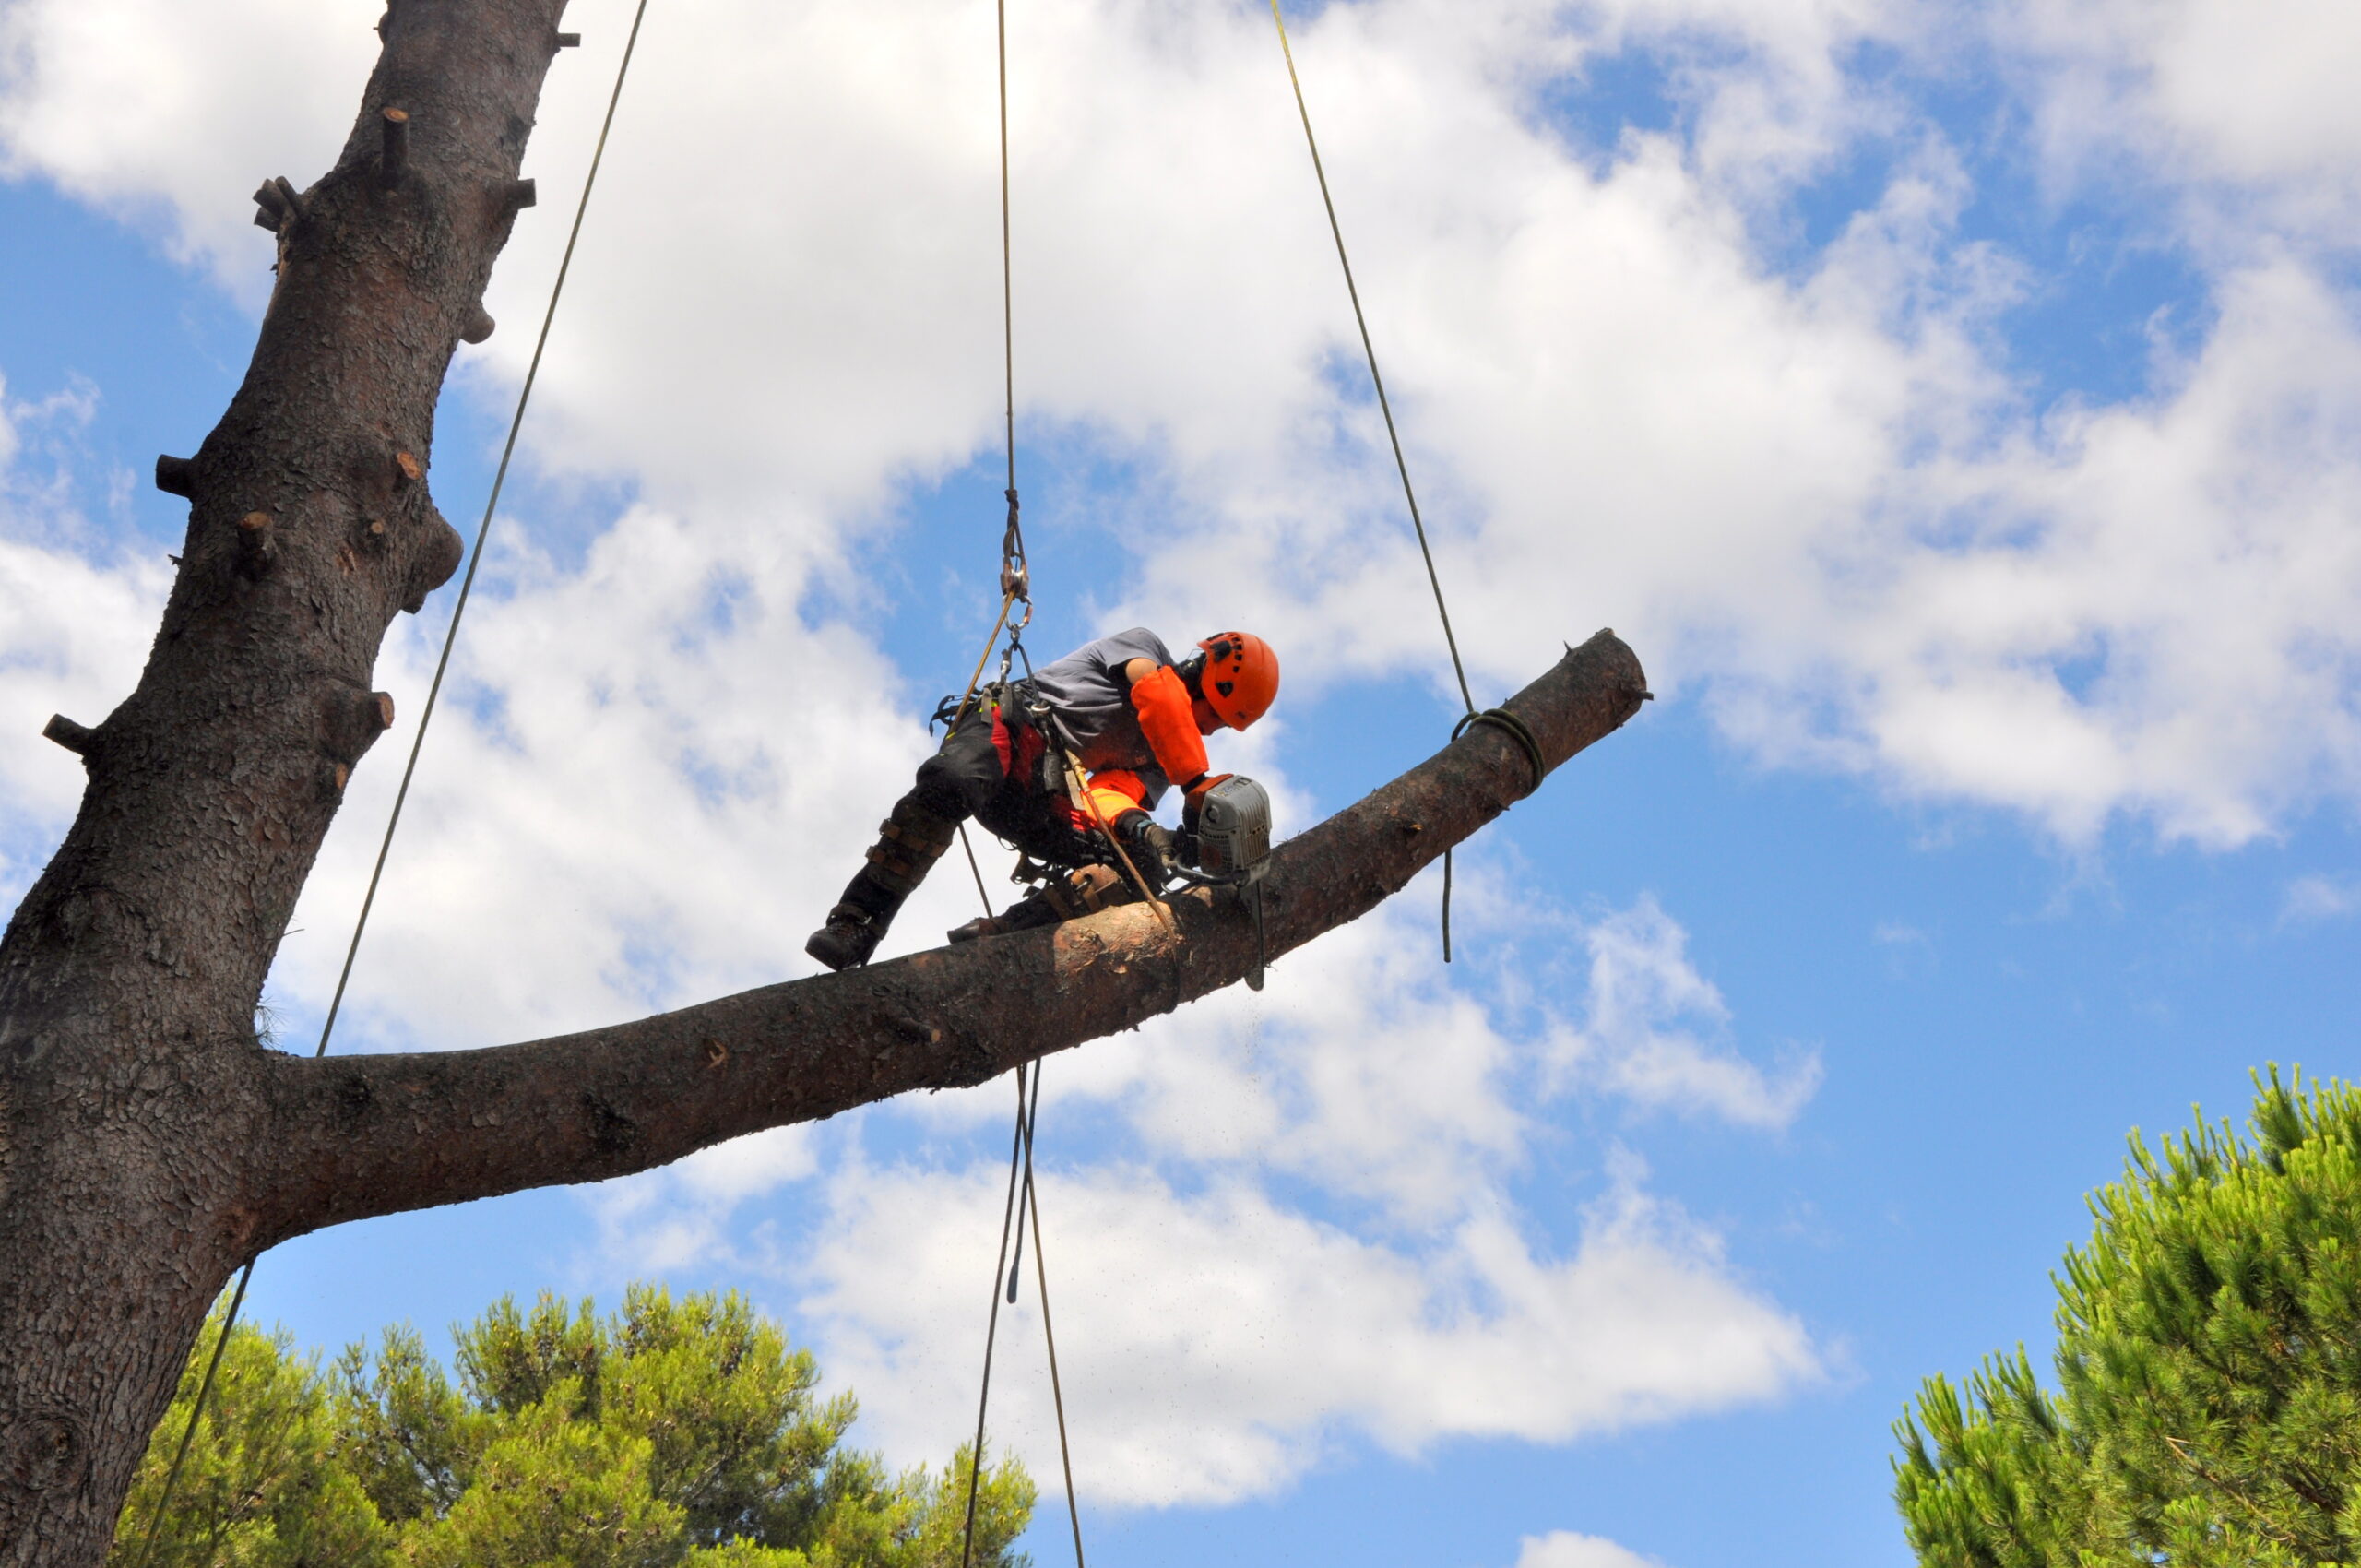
{"type": "Point", "coordinates": [1233, 849]}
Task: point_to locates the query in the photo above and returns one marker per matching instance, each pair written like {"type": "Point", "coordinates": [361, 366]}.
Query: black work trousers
{"type": "Point", "coordinates": [1011, 795]}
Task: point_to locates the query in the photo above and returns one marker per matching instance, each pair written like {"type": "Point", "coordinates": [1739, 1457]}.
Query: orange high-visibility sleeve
{"type": "Point", "coordinates": [1115, 791]}
{"type": "Point", "coordinates": [1170, 726]}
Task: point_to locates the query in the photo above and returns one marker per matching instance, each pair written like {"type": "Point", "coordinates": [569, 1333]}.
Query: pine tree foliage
{"type": "Point", "coordinates": [669, 1434]}
{"type": "Point", "coordinates": [261, 1486]}
{"type": "Point", "coordinates": [2208, 1408]}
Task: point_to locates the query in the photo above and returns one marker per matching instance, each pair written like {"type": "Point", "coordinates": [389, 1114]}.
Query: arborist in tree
{"type": "Point", "coordinates": [1128, 716]}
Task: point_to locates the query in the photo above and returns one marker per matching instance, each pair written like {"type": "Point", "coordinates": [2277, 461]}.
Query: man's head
{"type": "Point", "coordinates": [1232, 681]}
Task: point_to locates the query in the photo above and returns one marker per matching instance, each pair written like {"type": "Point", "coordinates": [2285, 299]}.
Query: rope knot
{"type": "Point", "coordinates": [1501, 718]}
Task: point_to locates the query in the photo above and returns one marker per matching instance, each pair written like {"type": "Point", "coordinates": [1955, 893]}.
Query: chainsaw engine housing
{"type": "Point", "coordinates": [1234, 830]}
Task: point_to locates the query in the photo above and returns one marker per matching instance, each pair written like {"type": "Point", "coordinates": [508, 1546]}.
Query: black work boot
{"type": "Point", "coordinates": [1066, 897]}
{"type": "Point", "coordinates": [908, 843]}
{"type": "Point", "coordinates": [1027, 913]}
{"type": "Point", "coordinates": [851, 934]}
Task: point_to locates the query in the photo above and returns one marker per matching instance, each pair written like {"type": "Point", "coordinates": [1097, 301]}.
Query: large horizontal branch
{"type": "Point", "coordinates": [363, 1135]}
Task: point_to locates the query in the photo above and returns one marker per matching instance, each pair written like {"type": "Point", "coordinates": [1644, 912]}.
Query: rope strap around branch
{"type": "Point", "coordinates": [1515, 727]}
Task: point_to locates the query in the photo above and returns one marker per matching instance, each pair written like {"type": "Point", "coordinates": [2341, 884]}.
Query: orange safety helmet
{"type": "Point", "coordinates": [1240, 677]}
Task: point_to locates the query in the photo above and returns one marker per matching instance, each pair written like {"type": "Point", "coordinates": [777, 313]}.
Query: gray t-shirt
{"type": "Point", "coordinates": [1091, 704]}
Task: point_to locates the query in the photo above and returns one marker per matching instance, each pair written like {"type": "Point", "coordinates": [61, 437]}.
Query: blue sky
{"type": "Point", "coordinates": [1954, 405]}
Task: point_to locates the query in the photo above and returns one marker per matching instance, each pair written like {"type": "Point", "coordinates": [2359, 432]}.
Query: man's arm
{"type": "Point", "coordinates": [1168, 720]}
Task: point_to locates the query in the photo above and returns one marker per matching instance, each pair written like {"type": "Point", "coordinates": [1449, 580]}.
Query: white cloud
{"type": "Point", "coordinates": [1363, 1071]}
{"type": "Point", "coordinates": [77, 614]}
{"type": "Point", "coordinates": [681, 1215]}
{"type": "Point", "coordinates": [1214, 1343]}
{"type": "Point", "coordinates": [1648, 1028]}
{"type": "Point", "coordinates": [2242, 105]}
{"type": "Point", "coordinates": [170, 115]}
{"type": "Point", "coordinates": [658, 762]}
{"type": "Point", "coordinates": [632, 798]}
{"type": "Point", "coordinates": [1813, 493]}
{"type": "Point", "coordinates": [1278, 1223]}
{"type": "Point", "coordinates": [2313, 898]}
{"type": "Point", "coordinates": [1563, 1548]}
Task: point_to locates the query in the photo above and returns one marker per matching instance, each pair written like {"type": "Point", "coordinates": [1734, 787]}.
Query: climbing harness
{"type": "Point", "coordinates": [1499, 716]}
{"type": "Point", "coordinates": [418, 742]}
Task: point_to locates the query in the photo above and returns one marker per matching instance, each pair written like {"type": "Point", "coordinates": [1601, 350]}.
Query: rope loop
{"type": "Point", "coordinates": [1015, 576]}
{"type": "Point", "coordinates": [1501, 718]}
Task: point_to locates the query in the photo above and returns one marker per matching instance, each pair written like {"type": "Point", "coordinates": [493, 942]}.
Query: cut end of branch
{"type": "Point", "coordinates": [270, 210]}
{"type": "Point", "coordinates": [521, 194]}
{"type": "Point", "coordinates": [569, 40]}
{"type": "Point", "coordinates": [176, 476]}
{"type": "Point", "coordinates": [257, 544]}
{"type": "Point", "coordinates": [75, 738]}
{"type": "Point", "coordinates": [392, 155]}
{"type": "Point", "coordinates": [411, 469]}
{"type": "Point", "coordinates": [479, 327]}
{"type": "Point", "coordinates": [351, 722]}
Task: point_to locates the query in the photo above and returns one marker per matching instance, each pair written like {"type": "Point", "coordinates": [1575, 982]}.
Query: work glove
{"type": "Point", "coordinates": [1193, 800]}
{"type": "Point", "coordinates": [1148, 842]}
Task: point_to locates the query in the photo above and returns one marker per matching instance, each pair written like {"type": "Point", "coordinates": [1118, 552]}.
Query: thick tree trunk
{"type": "Point", "coordinates": [149, 1144]}
{"type": "Point", "coordinates": [129, 1100]}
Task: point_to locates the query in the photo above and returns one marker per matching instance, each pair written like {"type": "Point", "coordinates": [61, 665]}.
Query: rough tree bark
{"type": "Point", "coordinates": [149, 1144]}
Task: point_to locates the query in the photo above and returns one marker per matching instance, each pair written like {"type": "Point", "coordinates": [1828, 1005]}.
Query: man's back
{"type": "Point", "coordinates": [1091, 704]}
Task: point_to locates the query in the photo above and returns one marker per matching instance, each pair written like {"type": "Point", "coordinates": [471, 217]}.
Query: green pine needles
{"type": "Point", "coordinates": [669, 1434]}
{"type": "Point", "coordinates": [2208, 1412]}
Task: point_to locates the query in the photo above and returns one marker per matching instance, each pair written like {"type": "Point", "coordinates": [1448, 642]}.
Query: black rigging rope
{"type": "Point", "coordinates": [1023, 1203]}
{"type": "Point", "coordinates": [1401, 464]}
{"type": "Point", "coordinates": [992, 1324]}
{"type": "Point", "coordinates": [1049, 1334]}
{"type": "Point", "coordinates": [418, 741]}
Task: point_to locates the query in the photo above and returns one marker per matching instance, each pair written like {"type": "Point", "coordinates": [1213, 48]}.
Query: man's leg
{"type": "Point", "coordinates": [1066, 896]}
{"type": "Point", "coordinates": [950, 784]}
{"type": "Point", "coordinates": [1036, 822]}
